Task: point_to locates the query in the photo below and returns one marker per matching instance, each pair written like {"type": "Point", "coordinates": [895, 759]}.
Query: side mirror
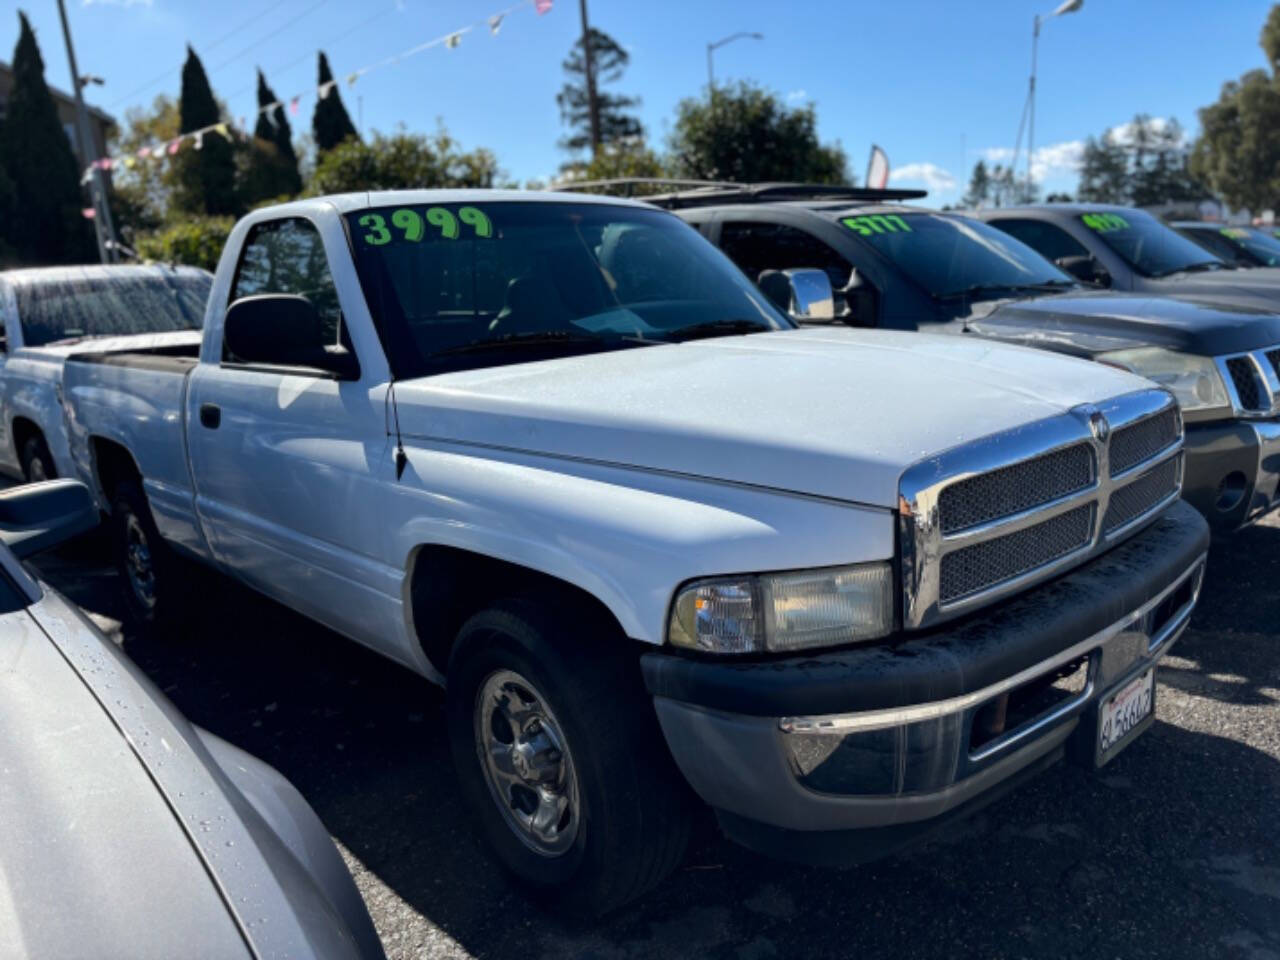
{"type": "Point", "coordinates": [859, 301]}
{"type": "Point", "coordinates": [1085, 267]}
{"type": "Point", "coordinates": [37, 516]}
{"type": "Point", "coordinates": [804, 295]}
{"type": "Point", "coordinates": [284, 330]}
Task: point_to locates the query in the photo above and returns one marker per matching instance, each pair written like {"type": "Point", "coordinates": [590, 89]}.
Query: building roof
{"type": "Point", "coordinates": [100, 115]}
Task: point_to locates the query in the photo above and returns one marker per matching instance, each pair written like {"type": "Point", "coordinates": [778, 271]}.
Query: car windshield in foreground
{"type": "Point", "coordinates": [61, 311]}
{"type": "Point", "coordinates": [1149, 246]}
{"type": "Point", "coordinates": [953, 256]}
{"type": "Point", "coordinates": [457, 285]}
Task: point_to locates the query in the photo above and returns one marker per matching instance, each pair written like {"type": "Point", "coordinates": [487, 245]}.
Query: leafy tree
{"type": "Point", "coordinates": [746, 133]}
{"type": "Point", "coordinates": [194, 241]}
{"type": "Point", "coordinates": [1058, 198]}
{"type": "Point", "coordinates": [45, 224]}
{"type": "Point", "coordinates": [205, 179]}
{"type": "Point", "coordinates": [614, 161]}
{"type": "Point", "coordinates": [1008, 189]}
{"type": "Point", "coordinates": [1238, 152]}
{"type": "Point", "coordinates": [1146, 166]}
{"type": "Point", "coordinates": [270, 165]}
{"type": "Point", "coordinates": [402, 161]}
{"type": "Point", "coordinates": [609, 61]}
{"type": "Point", "coordinates": [141, 194]}
{"type": "Point", "coordinates": [979, 192]}
{"type": "Point", "coordinates": [330, 124]}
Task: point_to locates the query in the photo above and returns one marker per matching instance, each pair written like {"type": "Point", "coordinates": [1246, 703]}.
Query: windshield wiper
{"type": "Point", "coordinates": [717, 328]}
{"type": "Point", "coordinates": [980, 288]}
{"type": "Point", "coordinates": [1204, 266]}
{"type": "Point", "coordinates": [543, 338]}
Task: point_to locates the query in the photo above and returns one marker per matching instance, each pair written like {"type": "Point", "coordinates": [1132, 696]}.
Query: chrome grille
{"type": "Point", "coordinates": [1249, 389]}
{"type": "Point", "coordinates": [1273, 357]}
{"type": "Point", "coordinates": [1137, 497]}
{"type": "Point", "coordinates": [1141, 441]}
{"type": "Point", "coordinates": [1010, 490]}
{"type": "Point", "coordinates": [1009, 510]}
{"type": "Point", "coordinates": [973, 569]}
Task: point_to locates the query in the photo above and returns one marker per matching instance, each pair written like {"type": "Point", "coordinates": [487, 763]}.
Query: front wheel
{"type": "Point", "coordinates": [561, 759]}
{"type": "Point", "coordinates": [156, 581]}
{"type": "Point", "coordinates": [37, 461]}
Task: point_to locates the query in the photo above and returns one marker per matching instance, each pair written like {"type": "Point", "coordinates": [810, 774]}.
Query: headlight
{"type": "Point", "coordinates": [1193, 380]}
{"type": "Point", "coordinates": [784, 611]}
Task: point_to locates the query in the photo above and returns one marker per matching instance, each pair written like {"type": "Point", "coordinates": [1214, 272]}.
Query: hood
{"type": "Point", "coordinates": [118, 344]}
{"type": "Point", "coordinates": [830, 412]}
{"type": "Point", "coordinates": [1092, 322]}
{"type": "Point", "coordinates": [1258, 287]}
{"type": "Point", "coordinates": [88, 845]}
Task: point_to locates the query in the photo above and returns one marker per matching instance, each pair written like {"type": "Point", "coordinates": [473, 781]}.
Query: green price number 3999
{"type": "Point", "coordinates": [413, 226]}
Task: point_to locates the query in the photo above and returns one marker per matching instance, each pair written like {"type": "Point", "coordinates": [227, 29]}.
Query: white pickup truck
{"type": "Point", "coordinates": [49, 314]}
{"type": "Point", "coordinates": [844, 585]}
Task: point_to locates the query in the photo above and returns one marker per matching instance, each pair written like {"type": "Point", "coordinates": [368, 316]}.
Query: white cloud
{"type": "Point", "coordinates": [931, 175]}
{"type": "Point", "coordinates": [1123, 133]}
{"type": "Point", "coordinates": [1055, 160]}
{"type": "Point", "coordinates": [797, 95]}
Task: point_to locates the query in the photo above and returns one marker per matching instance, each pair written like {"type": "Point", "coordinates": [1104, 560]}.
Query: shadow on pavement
{"type": "Point", "coordinates": [1170, 851]}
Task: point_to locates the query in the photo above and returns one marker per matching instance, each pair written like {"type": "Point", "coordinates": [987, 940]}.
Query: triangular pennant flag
{"type": "Point", "coordinates": [144, 152]}
{"type": "Point", "coordinates": [352, 78]}
{"type": "Point", "coordinates": [326, 88]}
{"type": "Point", "coordinates": [200, 140]}
{"type": "Point", "coordinates": [88, 213]}
{"type": "Point", "coordinates": [452, 40]}
{"type": "Point", "coordinates": [270, 111]}
{"type": "Point", "coordinates": [130, 162]}
{"type": "Point", "coordinates": [293, 105]}
{"type": "Point", "coordinates": [222, 129]}
{"type": "Point", "coordinates": [174, 146]}
{"type": "Point", "coordinates": [542, 6]}
{"type": "Point", "coordinates": [495, 23]}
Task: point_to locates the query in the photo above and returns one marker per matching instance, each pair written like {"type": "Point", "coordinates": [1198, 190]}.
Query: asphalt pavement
{"type": "Point", "coordinates": [1173, 850]}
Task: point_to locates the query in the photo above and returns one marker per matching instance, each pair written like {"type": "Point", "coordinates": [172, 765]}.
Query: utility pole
{"type": "Point", "coordinates": [588, 59]}
{"type": "Point", "coordinates": [102, 225]}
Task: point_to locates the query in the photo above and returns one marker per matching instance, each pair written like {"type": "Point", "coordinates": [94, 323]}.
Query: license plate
{"type": "Point", "coordinates": [1124, 713]}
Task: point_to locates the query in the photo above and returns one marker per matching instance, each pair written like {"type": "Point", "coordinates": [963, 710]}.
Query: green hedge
{"type": "Point", "coordinates": [193, 242]}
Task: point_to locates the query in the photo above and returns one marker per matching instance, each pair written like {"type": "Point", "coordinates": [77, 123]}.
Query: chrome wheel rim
{"type": "Point", "coordinates": [526, 763]}
{"type": "Point", "coordinates": [137, 563]}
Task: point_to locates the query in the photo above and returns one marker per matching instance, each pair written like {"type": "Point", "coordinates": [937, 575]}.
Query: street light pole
{"type": "Point", "coordinates": [1067, 6]}
{"type": "Point", "coordinates": [102, 225]}
{"type": "Point", "coordinates": [711, 76]}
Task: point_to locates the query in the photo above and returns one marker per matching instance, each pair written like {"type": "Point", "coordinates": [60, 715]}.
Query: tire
{"type": "Point", "coordinates": [37, 461]}
{"type": "Point", "coordinates": [157, 583]}
{"type": "Point", "coordinates": [569, 683]}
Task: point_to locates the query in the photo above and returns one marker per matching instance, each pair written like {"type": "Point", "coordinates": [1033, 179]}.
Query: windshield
{"type": "Point", "coordinates": [453, 285]}
{"type": "Point", "coordinates": [1259, 247]}
{"type": "Point", "coordinates": [1147, 245]}
{"type": "Point", "coordinates": [951, 256]}
{"type": "Point", "coordinates": [50, 311]}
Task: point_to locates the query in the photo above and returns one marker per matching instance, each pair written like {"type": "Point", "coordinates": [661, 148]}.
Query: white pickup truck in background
{"type": "Point", "coordinates": [840, 585]}
{"type": "Point", "coordinates": [49, 314]}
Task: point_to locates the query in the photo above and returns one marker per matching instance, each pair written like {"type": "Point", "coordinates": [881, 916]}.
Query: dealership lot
{"type": "Point", "coordinates": [1170, 851]}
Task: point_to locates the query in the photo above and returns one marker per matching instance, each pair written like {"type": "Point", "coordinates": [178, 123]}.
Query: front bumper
{"type": "Point", "coordinates": [1232, 472]}
{"type": "Point", "coordinates": [847, 755]}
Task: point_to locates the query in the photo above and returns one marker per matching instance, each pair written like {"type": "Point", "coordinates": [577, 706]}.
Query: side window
{"type": "Point", "coordinates": [287, 256]}
{"type": "Point", "coordinates": [1047, 240]}
{"type": "Point", "coordinates": [756, 247]}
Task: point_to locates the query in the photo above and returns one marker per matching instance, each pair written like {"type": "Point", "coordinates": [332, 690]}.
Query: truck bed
{"type": "Point", "coordinates": [178, 358]}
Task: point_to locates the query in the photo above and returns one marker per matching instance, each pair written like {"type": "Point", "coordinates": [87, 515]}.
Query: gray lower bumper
{"type": "Point", "coordinates": [913, 763]}
{"type": "Point", "coordinates": [1232, 473]}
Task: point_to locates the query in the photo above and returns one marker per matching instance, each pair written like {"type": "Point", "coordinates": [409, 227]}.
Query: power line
{"type": "Point", "coordinates": [276, 32]}
{"type": "Point", "coordinates": [172, 70]}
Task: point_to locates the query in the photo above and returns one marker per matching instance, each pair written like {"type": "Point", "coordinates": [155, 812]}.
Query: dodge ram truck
{"type": "Point", "coordinates": [49, 314]}
{"type": "Point", "coordinates": [560, 455]}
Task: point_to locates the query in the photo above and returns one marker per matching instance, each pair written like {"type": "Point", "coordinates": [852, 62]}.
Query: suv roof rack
{"type": "Point", "coordinates": [701, 193]}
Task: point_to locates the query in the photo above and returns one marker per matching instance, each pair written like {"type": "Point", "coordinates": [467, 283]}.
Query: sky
{"type": "Point", "coordinates": [938, 84]}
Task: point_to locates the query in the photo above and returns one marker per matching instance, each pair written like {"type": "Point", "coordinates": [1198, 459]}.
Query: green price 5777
{"type": "Point", "coordinates": [871, 224]}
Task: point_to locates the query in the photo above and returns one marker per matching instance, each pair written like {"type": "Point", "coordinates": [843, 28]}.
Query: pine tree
{"type": "Point", "coordinates": [979, 194]}
{"type": "Point", "coordinates": [330, 124]}
{"type": "Point", "coordinates": [206, 178]}
{"type": "Point", "coordinates": [45, 224]}
{"type": "Point", "coordinates": [609, 60]}
{"type": "Point", "coordinates": [272, 165]}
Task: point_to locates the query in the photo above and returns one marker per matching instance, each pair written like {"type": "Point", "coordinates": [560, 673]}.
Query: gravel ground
{"type": "Point", "coordinates": [1172, 851]}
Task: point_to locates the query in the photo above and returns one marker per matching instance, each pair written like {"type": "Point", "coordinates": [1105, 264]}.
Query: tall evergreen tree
{"type": "Point", "coordinates": [979, 193]}
{"type": "Point", "coordinates": [45, 224]}
{"type": "Point", "coordinates": [272, 165]}
{"type": "Point", "coordinates": [330, 124]}
{"type": "Point", "coordinates": [206, 178]}
{"type": "Point", "coordinates": [609, 61]}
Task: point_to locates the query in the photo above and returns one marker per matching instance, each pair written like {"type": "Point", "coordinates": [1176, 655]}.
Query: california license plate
{"type": "Point", "coordinates": [1124, 714]}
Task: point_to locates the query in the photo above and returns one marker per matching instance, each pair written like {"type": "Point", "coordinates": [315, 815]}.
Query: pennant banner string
{"type": "Point", "coordinates": [450, 41]}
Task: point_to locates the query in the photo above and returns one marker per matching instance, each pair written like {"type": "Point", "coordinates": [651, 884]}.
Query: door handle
{"type": "Point", "coordinates": [210, 415]}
